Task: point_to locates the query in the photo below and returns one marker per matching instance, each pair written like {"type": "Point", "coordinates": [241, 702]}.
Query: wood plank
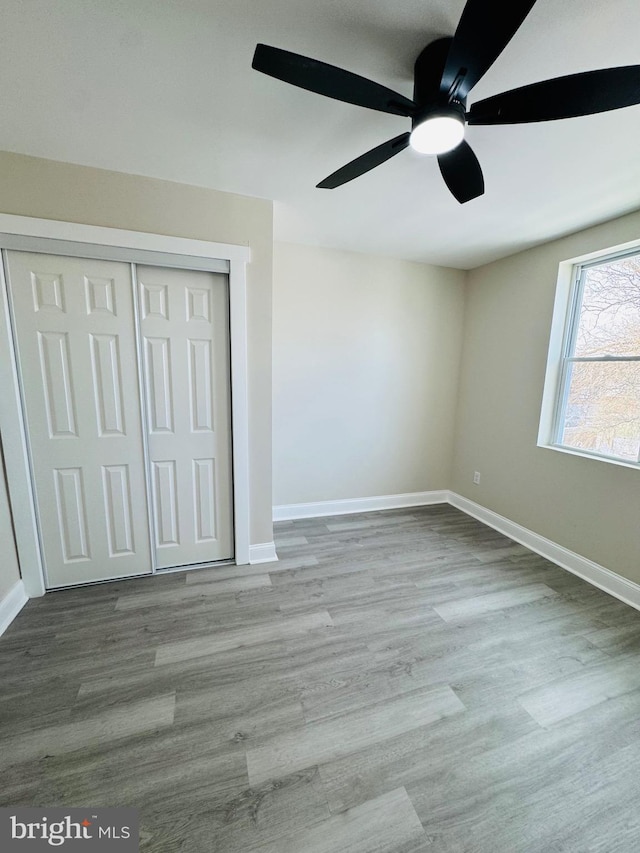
{"type": "Point", "coordinates": [113, 724]}
{"type": "Point", "coordinates": [386, 824]}
{"type": "Point", "coordinates": [579, 691]}
{"type": "Point", "coordinates": [335, 737]}
{"type": "Point", "coordinates": [170, 597]}
{"type": "Point", "coordinates": [257, 634]}
{"type": "Point", "coordinates": [480, 605]}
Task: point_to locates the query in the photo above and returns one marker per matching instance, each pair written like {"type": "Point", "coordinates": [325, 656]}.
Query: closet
{"type": "Point", "coordinates": [125, 378]}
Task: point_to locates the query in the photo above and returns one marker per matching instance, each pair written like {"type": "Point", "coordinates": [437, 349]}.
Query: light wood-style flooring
{"type": "Point", "coordinates": [399, 682]}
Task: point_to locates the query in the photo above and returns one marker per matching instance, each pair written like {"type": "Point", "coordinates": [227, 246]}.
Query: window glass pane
{"type": "Point", "coordinates": [609, 319]}
{"type": "Point", "coordinates": [602, 413]}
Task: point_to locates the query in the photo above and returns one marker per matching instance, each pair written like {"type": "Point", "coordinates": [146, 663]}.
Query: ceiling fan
{"type": "Point", "coordinates": [444, 74]}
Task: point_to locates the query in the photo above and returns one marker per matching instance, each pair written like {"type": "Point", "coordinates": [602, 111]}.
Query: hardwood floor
{"type": "Point", "coordinates": [400, 682]}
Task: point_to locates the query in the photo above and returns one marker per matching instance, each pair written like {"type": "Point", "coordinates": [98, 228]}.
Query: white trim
{"type": "Point", "coordinates": [11, 605]}
{"type": "Point", "coordinates": [239, 408]}
{"type": "Point", "coordinates": [584, 454]}
{"type": "Point", "coordinates": [552, 379]}
{"type": "Point", "coordinates": [609, 251]}
{"type": "Point", "coordinates": [16, 457]}
{"type": "Point", "coordinates": [593, 573]}
{"type": "Point", "coordinates": [182, 251]}
{"type": "Point", "coordinates": [318, 509]}
{"type": "Point", "coordinates": [263, 553]}
{"type": "Point", "coordinates": [74, 232]}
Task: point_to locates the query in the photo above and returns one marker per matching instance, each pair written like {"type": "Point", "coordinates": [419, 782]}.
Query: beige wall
{"type": "Point", "coordinates": [365, 368]}
{"type": "Point", "coordinates": [366, 353]}
{"type": "Point", "coordinates": [589, 506]}
{"type": "Point", "coordinates": [45, 189]}
{"type": "Point", "coordinates": [9, 569]}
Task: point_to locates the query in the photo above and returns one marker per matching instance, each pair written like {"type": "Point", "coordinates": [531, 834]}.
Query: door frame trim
{"type": "Point", "coordinates": [58, 237]}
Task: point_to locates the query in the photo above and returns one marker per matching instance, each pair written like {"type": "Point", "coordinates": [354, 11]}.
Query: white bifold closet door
{"type": "Point", "coordinates": [112, 491]}
{"type": "Point", "coordinates": [185, 333]}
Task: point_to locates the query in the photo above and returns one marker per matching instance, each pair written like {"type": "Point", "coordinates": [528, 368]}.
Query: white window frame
{"type": "Point", "coordinates": [57, 237]}
{"type": "Point", "coordinates": [564, 327]}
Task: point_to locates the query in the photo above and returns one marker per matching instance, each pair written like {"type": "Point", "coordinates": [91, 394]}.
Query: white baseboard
{"type": "Point", "coordinates": [595, 574]}
{"type": "Point", "coordinates": [288, 512]}
{"type": "Point", "coordinates": [11, 605]}
{"type": "Point", "coordinates": [263, 553]}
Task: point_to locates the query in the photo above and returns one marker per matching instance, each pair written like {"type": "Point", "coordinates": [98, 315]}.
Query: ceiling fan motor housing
{"type": "Point", "coordinates": [431, 101]}
{"type": "Point", "coordinates": [427, 73]}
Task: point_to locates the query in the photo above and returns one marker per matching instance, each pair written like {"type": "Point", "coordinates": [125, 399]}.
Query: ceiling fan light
{"type": "Point", "coordinates": [437, 134]}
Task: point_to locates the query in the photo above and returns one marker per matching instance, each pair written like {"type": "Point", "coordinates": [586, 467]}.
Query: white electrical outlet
{"type": "Point", "coordinates": [476, 477]}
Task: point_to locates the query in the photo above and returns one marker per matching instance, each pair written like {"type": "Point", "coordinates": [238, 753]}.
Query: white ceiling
{"type": "Point", "coordinates": [166, 89]}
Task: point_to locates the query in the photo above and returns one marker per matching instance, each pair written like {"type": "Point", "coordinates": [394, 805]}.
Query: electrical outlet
{"type": "Point", "coordinates": [476, 477]}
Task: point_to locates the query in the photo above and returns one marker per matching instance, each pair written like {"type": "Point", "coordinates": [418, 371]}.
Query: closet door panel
{"type": "Point", "coordinates": [76, 350]}
{"type": "Point", "coordinates": [185, 331]}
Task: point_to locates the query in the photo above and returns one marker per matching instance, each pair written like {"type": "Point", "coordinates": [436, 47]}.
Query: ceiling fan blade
{"type": "Point", "coordinates": [462, 173]}
{"type": "Point", "coordinates": [329, 80]}
{"type": "Point", "coordinates": [484, 30]}
{"type": "Point", "coordinates": [366, 162]}
{"type": "Point", "coordinates": [562, 97]}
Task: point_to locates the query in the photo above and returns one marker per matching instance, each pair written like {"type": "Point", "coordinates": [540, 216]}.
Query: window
{"type": "Point", "coordinates": [597, 404]}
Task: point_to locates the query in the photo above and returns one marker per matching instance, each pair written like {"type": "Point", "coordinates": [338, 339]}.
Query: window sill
{"type": "Point", "coordinates": [594, 456]}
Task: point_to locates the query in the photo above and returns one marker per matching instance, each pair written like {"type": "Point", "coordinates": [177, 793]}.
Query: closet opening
{"type": "Point", "coordinates": [128, 419]}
